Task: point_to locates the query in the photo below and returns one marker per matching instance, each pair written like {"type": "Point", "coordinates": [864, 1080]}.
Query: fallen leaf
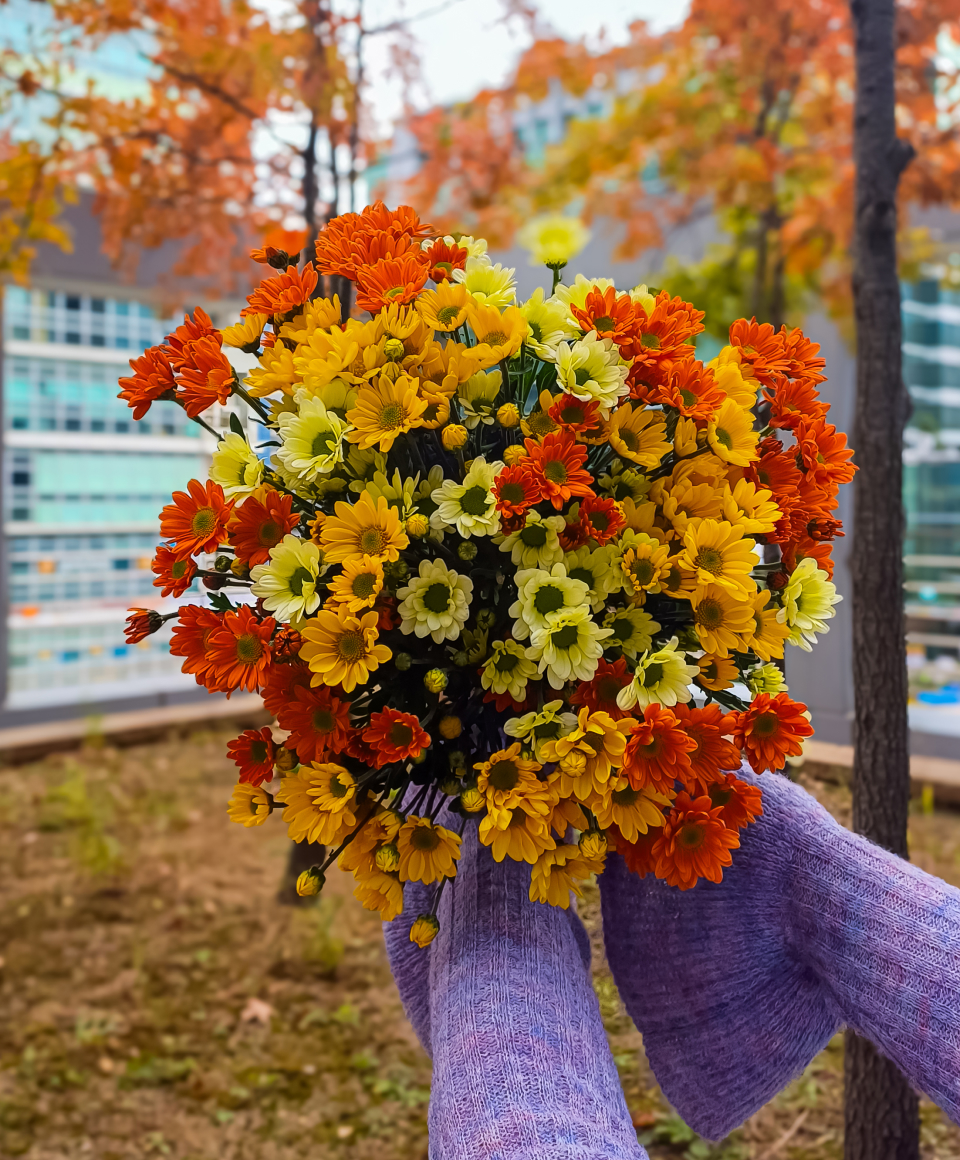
{"type": "Point", "coordinates": [256, 1011]}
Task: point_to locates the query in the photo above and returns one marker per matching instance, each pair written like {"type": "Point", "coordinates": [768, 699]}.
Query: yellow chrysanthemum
{"type": "Point", "coordinates": [808, 601]}
{"type": "Point", "coordinates": [766, 679]}
{"type": "Point", "coordinates": [510, 782]}
{"type": "Point", "coordinates": [384, 411]}
{"type": "Point", "coordinates": [427, 852]}
{"type": "Point", "coordinates": [767, 634]}
{"type": "Point", "coordinates": [734, 377]}
{"type": "Point", "coordinates": [547, 324]}
{"type": "Point", "coordinates": [717, 673]}
{"type": "Point", "coordinates": [320, 804]}
{"type": "Point", "coordinates": [731, 435]}
{"type": "Point", "coordinates": [685, 436]}
{"type": "Point", "coordinates": [363, 529]}
{"type": "Point", "coordinates": [342, 649]}
{"type": "Point", "coordinates": [750, 507]}
{"type": "Point", "coordinates": [662, 677]}
{"type": "Point", "coordinates": [719, 556]}
{"type": "Point", "coordinates": [524, 838]}
{"type": "Point", "coordinates": [317, 314]}
{"type": "Point", "coordinates": [642, 564]}
{"type": "Point", "coordinates": [492, 284]}
{"type": "Point", "coordinates": [326, 355]}
{"type": "Point", "coordinates": [381, 892]}
{"type": "Point", "coordinates": [444, 308]}
{"type": "Point", "coordinates": [276, 372]}
{"type": "Point", "coordinates": [587, 755]}
{"type": "Point", "coordinates": [686, 501]}
{"type": "Point", "coordinates": [359, 584]}
{"type": "Point", "coordinates": [556, 873]}
{"type": "Point", "coordinates": [498, 335]}
{"type": "Point", "coordinates": [639, 435]}
{"type": "Point", "coordinates": [236, 466]}
{"type": "Point", "coordinates": [632, 811]}
{"type": "Point", "coordinates": [246, 332]}
{"type": "Point", "coordinates": [719, 619]}
{"type": "Point", "coordinates": [249, 805]}
{"type": "Point", "coordinates": [553, 239]}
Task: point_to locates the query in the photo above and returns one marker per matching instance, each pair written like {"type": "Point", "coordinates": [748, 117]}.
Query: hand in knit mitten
{"type": "Point", "coordinates": [503, 1002]}
{"type": "Point", "coordinates": [736, 986]}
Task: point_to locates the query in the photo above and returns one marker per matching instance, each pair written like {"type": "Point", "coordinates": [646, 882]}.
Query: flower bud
{"type": "Point", "coordinates": [435, 681]}
{"type": "Point", "coordinates": [450, 728]}
{"type": "Point", "coordinates": [454, 436]}
{"type": "Point", "coordinates": [240, 569]}
{"type": "Point", "coordinates": [387, 857]}
{"type": "Point", "coordinates": [222, 564]}
{"type": "Point", "coordinates": [513, 454]}
{"type": "Point", "coordinates": [593, 845]}
{"type": "Point", "coordinates": [472, 799]}
{"type": "Point", "coordinates": [574, 764]}
{"type": "Point", "coordinates": [403, 661]}
{"type": "Point", "coordinates": [310, 882]}
{"type": "Point", "coordinates": [508, 415]}
{"type": "Point", "coordinates": [285, 760]}
{"type": "Point", "coordinates": [467, 550]}
{"type": "Point", "coordinates": [766, 679]}
{"type": "Point", "coordinates": [417, 526]}
{"type": "Point", "coordinates": [393, 350]}
{"type": "Point", "coordinates": [457, 759]}
{"type": "Point", "coordinates": [424, 929]}
{"type": "Point", "coordinates": [486, 618]}
{"type": "Point", "coordinates": [451, 786]}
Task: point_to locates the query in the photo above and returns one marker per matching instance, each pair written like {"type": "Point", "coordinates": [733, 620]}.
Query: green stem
{"type": "Point", "coordinates": [250, 401]}
{"type": "Point", "coordinates": [206, 426]}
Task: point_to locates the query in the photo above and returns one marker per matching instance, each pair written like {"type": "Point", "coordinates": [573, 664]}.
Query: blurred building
{"type": "Point", "coordinates": [83, 483]}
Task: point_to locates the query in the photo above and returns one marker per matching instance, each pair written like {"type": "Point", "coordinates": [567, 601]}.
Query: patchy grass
{"type": "Point", "coordinates": [156, 1002]}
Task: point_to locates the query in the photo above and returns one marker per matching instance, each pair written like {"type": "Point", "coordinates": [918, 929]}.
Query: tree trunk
{"type": "Point", "coordinates": [881, 1117]}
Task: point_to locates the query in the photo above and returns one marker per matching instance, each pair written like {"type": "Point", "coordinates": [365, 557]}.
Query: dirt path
{"type": "Point", "coordinates": [155, 1001]}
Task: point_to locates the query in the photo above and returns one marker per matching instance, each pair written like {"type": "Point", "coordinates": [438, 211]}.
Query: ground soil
{"type": "Point", "coordinates": [155, 1001]}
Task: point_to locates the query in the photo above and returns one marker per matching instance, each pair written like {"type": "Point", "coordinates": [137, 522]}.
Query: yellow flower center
{"type": "Point", "coordinates": [504, 775]}
{"type": "Point", "coordinates": [709, 613]}
{"type": "Point", "coordinates": [495, 338]}
{"type": "Point", "coordinates": [204, 521]}
{"type": "Point", "coordinates": [363, 585]}
{"type": "Point", "coordinates": [391, 417]}
{"type": "Point", "coordinates": [710, 560]}
{"type": "Point", "coordinates": [351, 647]}
{"type": "Point", "coordinates": [447, 314]}
{"type": "Point", "coordinates": [541, 424]}
{"type": "Point", "coordinates": [249, 648]}
{"type": "Point", "coordinates": [555, 470]}
{"type": "Point", "coordinates": [372, 541]}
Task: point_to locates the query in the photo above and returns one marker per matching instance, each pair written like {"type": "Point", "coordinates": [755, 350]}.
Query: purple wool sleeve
{"type": "Point", "coordinates": [502, 1000]}
{"type": "Point", "coordinates": [736, 986]}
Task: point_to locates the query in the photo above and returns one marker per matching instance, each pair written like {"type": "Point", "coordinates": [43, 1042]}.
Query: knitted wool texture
{"type": "Point", "coordinates": [736, 986]}
{"type": "Point", "coordinates": [503, 1002]}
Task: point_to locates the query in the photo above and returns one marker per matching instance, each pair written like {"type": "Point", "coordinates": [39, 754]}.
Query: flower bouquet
{"type": "Point", "coordinates": [530, 565]}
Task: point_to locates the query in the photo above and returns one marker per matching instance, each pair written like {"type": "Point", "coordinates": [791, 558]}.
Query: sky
{"type": "Point", "coordinates": [465, 46]}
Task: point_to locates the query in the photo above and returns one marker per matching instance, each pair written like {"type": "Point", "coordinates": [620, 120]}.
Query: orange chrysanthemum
{"type": "Point", "coordinates": [792, 400]}
{"type": "Point", "coordinates": [191, 640]}
{"type": "Point", "coordinates": [174, 573]}
{"type": "Point", "coordinates": [390, 282]}
{"type": "Point", "coordinates": [240, 650]}
{"type": "Point", "coordinates": [762, 348]}
{"type": "Point", "coordinates": [199, 326]}
{"type": "Point", "coordinates": [823, 529]}
{"type": "Point", "coordinates": [694, 843]}
{"type": "Point", "coordinates": [771, 730]}
{"type": "Point", "coordinates": [609, 314]}
{"type": "Point", "coordinates": [740, 802]}
{"type": "Point", "coordinates": [663, 335]}
{"type": "Point", "coordinates": [714, 754]}
{"type": "Point", "coordinates": [574, 415]}
{"type": "Point", "coordinates": [254, 752]}
{"type": "Point", "coordinates": [602, 518]}
{"type": "Point", "coordinates": [443, 259]}
{"type": "Point", "coordinates": [692, 389]}
{"type": "Point", "coordinates": [395, 736]}
{"type": "Point", "coordinates": [516, 489]}
{"type": "Point", "coordinates": [318, 721]}
{"type": "Point", "coordinates": [658, 752]}
{"type": "Point", "coordinates": [798, 550]}
{"type": "Point", "coordinates": [343, 239]}
{"type": "Point", "coordinates": [152, 379]}
{"type": "Point", "coordinates": [822, 451]}
{"type": "Point", "coordinates": [259, 524]}
{"type": "Point", "coordinates": [558, 462]}
{"type": "Point", "coordinates": [803, 354]}
{"type": "Point", "coordinates": [637, 856]}
{"type": "Point", "coordinates": [283, 292]}
{"type": "Point", "coordinates": [196, 522]}
{"type": "Point", "coordinates": [599, 694]}
{"type": "Point", "coordinates": [141, 623]}
{"type": "Point", "coordinates": [280, 687]}
{"type": "Point", "coordinates": [206, 376]}
{"type": "Point", "coordinates": [574, 535]}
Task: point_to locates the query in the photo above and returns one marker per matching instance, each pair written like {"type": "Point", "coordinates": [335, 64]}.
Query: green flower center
{"type": "Point", "coordinates": [400, 734]}
{"type": "Point", "coordinates": [506, 662]}
{"type": "Point", "coordinates": [495, 338]}
{"type": "Point", "coordinates": [605, 323]}
{"type": "Point", "coordinates": [249, 648]}
{"type": "Point", "coordinates": [710, 560]}
{"type": "Point", "coordinates": [371, 541]}
{"type": "Point", "coordinates": [582, 376]}
{"type": "Point", "coordinates": [364, 585]}
{"type": "Point", "coordinates": [766, 725]}
{"type": "Point", "coordinates": [204, 521]}
{"type": "Point", "coordinates": [512, 493]}
{"type": "Point", "coordinates": [258, 752]}
{"type": "Point", "coordinates": [556, 471]}
{"type": "Point", "coordinates": [437, 597]}
{"type": "Point", "coordinates": [652, 675]}
{"type": "Point", "coordinates": [322, 442]}
{"type": "Point", "coordinates": [534, 536]}
{"type": "Point", "coordinates": [709, 613]}
{"type": "Point", "coordinates": [565, 637]}
{"type": "Point", "coordinates": [650, 340]}
{"type": "Point", "coordinates": [337, 788]}
{"type": "Point", "coordinates": [299, 577]}
{"type": "Point", "coordinates": [536, 331]}
{"type": "Point", "coordinates": [268, 534]}
{"type": "Point", "coordinates": [723, 437]}
{"type": "Point", "coordinates": [351, 646]}
{"type": "Point", "coordinates": [548, 599]}
{"type": "Point", "coordinates": [178, 569]}
{"type": "Point", "coordinates": [475, 500]}
{"type": "Point", "coordinates": [425, 838]}
{"type": "Point", "coordinates": [622, 630]}
{"type": "Point", "coordinates": [626, 796]}
{"type": "Point", "coordinates": [642, 572]}
{"type": "Point", "coordinates": [691, 835]}
{"type": "Point", "coordinates": [323, 721]}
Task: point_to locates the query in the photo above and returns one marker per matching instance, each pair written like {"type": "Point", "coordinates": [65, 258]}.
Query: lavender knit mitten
{"type": "Point", "coordinates": [736, 986]}
{"type": "Point", "coordinates": [503, 1002]}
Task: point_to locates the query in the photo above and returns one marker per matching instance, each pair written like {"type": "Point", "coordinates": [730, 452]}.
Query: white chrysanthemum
{"type": "Point", "coordinates": [538, 728]}
{"type": "Point", "coordinates": [662, 677]}
{"type": "Point", "coordinates": [477, 397]}
{"type": "Point", "coordinates": [576, 292]}
{"type": "Point", "coordinates": [436, 603]}
{"type": "Point", "coordinates": [595, 568]}
{"type": "Point", "coordinates": [312, 438]}
{"type": "Point", "coordinates": [632, 630]}
{"type": "Point", "coordinates": [553, 239]}
{"type": "Point", "coordinates": [590, 369]}
{"type": "Point", "coordinates": [507, 670]}
{"type": "Point", "coordinates": [540, 595]}
{"type": "Point", "coordinates": [471, 506]}
{"type": "Point", "coordinates": [236, 466]}
{"type": "Point", "coordinates": [642, 296]}
{"type": "Point", "coordinates": [287, 584]}
{"type": "Point", "coordinates": [568, 648]}
{"type": "Point", "coordinates": [488, 283]}
{"type": "Point", "coordinates": [537, 544]}
{"type": "Point", "coordinates": [475, 247]}
{"type": "Point", "coordinates": [808, 601]}
{"type": "Point", "coordinates": [549, 325]}
{"type": "Point", "coordinates": [766, 679]}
